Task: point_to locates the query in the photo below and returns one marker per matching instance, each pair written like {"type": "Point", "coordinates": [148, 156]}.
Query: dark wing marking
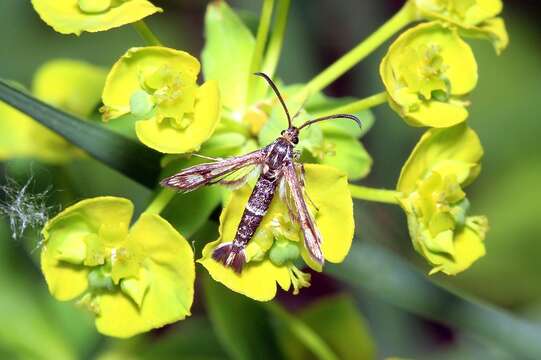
{"type": "Point", "coordinates": [312, 237]}
{"type": "Point", "coordinates": [210, 173]}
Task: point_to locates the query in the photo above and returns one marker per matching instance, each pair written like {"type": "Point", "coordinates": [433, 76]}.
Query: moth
{"type": "Point", "coordinates": [279, 168]}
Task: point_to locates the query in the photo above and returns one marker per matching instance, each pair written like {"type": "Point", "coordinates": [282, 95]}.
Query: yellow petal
{"type": "Point", "coordinates": [469, 247]}
{"type": "Point", "coordinates": [436, 114]}
{"type": "Point", "coordinates": [124, 79]}
{"type": "Point", "coordinates": [257, 281]}
{"type": "Point", "coordinates": [29, 139]}
{"type": "Point", "coordinates": [74, 86]}
{"type": "Point", "coordinates": [493, 29]}
{"type": "Point", "coordinates": [68, 17]}
{"type": "Point", "coordinates": [457, 143]}
{"type": "Point", "coordinates": [72, 225]}
{"type": "Point", "coordinates": [406, 59]}
{"type": "Point", "coordinates": [328, 188]}
{"type": "Point", "coordinates": [168, 139]}
{"type": "Point", "coordinates": [171, 274]}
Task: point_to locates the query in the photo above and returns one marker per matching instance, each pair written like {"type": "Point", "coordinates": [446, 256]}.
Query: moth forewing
{"type": "Point", "coordinates": [211, 173]}
{"type": "Point", "coordinates": [312, 237]}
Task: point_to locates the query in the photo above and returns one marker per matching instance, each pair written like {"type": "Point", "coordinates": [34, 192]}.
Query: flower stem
{"type": "Point", "coordinates": [160, 201]}
{"type": "Point", "coordinates": [357, 106]}
{"type": "Point", "coordinates": [378, 195]}
{"type": "Point", "coordinates": [303, 332]}
{"type": "Point", "coordinates": [146, 34]}
{"type": "Point", "coordinates": [402, 18]}
{"type": "Point", "coordinates": [261, 40]}
{"type": "Point", "coordinates": [277, 38]}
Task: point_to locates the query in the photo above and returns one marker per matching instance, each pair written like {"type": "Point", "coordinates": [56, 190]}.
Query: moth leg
{"type": "Point", "coordinates": [301, 172]}
{"type": "Point", "coordinates": [283, 191]}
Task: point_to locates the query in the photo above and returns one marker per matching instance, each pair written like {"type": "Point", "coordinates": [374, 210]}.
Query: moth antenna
{"type": "Point", "coordinates": [275, 89]}
{"type": "Point", "coordinates": [329, 117]}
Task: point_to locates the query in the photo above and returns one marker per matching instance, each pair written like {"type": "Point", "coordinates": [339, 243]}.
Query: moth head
{"type": "Point", "coordinates": [291, 134]}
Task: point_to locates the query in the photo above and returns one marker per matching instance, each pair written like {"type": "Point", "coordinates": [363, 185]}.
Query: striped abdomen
{"type": "Point", "coordinates": [232, 253]}
{"type": "Point", "coordinates": [257, 207]}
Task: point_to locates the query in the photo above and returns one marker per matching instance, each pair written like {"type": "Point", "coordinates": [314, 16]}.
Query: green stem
{"type": "Point", "coordinates": [160, 201]}
{"type": "Point", "coordinates": [357, 106]}
{"type": "Point", "coordinates": [402, 18]}
{"type": "Point", "coordinates": [277, 38]}
{"type": "Point", "coordinates": [378, 195]}
{"type": "Point", "coordinates": [146, 34]}
{"type": "Point", "coordinates": [303, 332]}
{"type": "Point", "coordinates": [261, 40]}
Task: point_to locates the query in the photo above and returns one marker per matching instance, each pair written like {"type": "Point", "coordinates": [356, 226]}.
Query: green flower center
{"type": "Point", "coordinates": [424, 71]}
{"type": "Point", "coordinates": [283, 252]}
{"type": "Point", "coordinates": [141, 103]}
{"type": "Point", "coordinates": [440, 203]}
{"type": "Point", "coordinates": [94, 6]}
{"type": "Point", "coordinates": [171, 93]}
{"type": "Point", "coordinates": [459, 8]}
{"type": "Point", "coordinates": [99, 279]}
{"type": "Point", "coordinates": [164, 84]}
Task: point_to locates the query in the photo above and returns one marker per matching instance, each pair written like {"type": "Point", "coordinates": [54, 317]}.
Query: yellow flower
{"type": "Point", "coordinates": [76, 16]}
{"type": "Point", "coordinates": [426, 72]}
{"type": "Point", "coordinates": [158, 85]}
{"type": "Point", "coordinates": [476, 18]}
{"type": "Point", "coordinates": [132, 279]}
{"type": "Point", "coordinates": [277, 246]}
{"type": "Point", "coordinates": [73, 86]}
{"type": "Point", "coordinates": [431, 182]}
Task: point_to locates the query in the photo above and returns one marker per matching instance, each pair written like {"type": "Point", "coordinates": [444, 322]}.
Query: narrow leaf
{"type": "Point", "coordinates": [331, 318]}
{"type": "Point", "coordinates": [372, 269]}
{"type": "Point", "coordinates": [120, 153]}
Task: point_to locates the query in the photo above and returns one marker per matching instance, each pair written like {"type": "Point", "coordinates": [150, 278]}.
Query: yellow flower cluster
{"type": "Point", "coordinates": [132, 279]}
{"type": "Point", "coordinates": [428, 71]}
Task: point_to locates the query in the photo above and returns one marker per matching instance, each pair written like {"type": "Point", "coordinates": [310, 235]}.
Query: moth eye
{"type": "Point", "coordinates": [295, 140]}
{"type": "Point", "coordinates": [282, 132]}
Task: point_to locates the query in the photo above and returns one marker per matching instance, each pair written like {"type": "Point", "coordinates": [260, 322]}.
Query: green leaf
{"type": "Point", "coordinates": [370, 268]}
{"type": "Point", "coordinates": [241, 325]}
{"type": "Point", "coordinates": [223, 144]}
{"type": "Point", "coordinates": [320, 103]}
{"type": "Point", "coordinates": [331, 318]}
{"type": "Point", "coordinates": [227, 53]}
{"type": "Point", "coordinates": [350, 156]}
{"type": "Point", "coordinates": [122, 154]}
{"type": "Point", "coordinates": [188, 212]}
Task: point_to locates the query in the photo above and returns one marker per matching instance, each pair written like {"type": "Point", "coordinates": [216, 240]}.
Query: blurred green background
{"type": "Point", "coordinates": [503, 112]}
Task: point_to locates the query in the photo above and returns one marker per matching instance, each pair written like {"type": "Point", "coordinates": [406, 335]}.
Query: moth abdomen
{"type": "Point", "coordinates": [231, 254]}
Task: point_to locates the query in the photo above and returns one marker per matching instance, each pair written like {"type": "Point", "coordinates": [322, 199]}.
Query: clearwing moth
{"type": "Point", "coordinates": [277, 163]}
